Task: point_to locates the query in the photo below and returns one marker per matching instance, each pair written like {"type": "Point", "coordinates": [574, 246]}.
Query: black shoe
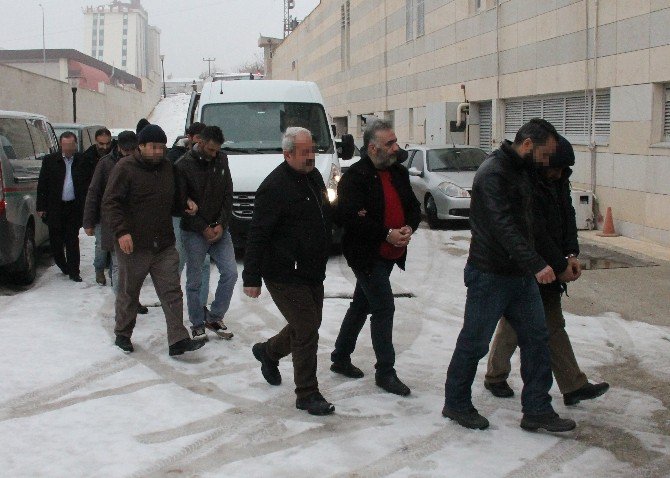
{"type": "Point", "coordinates": [269, 368]}
{"type": "Point", "coordinates": [75, 277]}
{"type": "Point", "coordinates": [315, 404]}
{"type": "Point", "coordinates": [392, 384]}
{"type": "Point", "coordinates": [499, 389]}
{"type": "Point", "coordinates": [587, 392]}
{"type": "Point", "coordinates": [185, 345]}
{"type": "Point", "coordinates": [142, 309]}
{"type": "Point", "coordinates": [547, 421]}
{"type": "Point", "coordinates": [346, 369]}
{"type": "Point", "coordinates": [470, 419]}
{"type": "Point", "coordinates": [199, 333]}
{"type": "Point", "coordinates": [124, 343]}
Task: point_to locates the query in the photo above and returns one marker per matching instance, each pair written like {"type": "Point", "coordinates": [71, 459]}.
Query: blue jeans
{"type": "Point", "coordinates": [372, 295]}
{"type": "Point", "coordinates": [489, 297]}
{"type": "Point", "coordinates": [179, 245]}
{"type": "Point", "coordinates": [222, 253]}
{"type": "Point", "coordinates": [100, 258]}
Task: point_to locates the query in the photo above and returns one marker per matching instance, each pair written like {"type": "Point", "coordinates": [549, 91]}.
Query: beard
{"type": "Point", "coordinates": [385, 160]}
{"type": "Point", "coordinates": [153, 160]}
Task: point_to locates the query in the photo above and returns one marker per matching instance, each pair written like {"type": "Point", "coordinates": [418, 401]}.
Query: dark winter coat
{"type": "Point", "coordinates": [52, 179]}
{"type": "Point", "coordinates": [290, 233]}
{"type": "Point", "coordinates": [501, 215]}
{"type": "Point", "coordinates": [209, 185]}
{"type": "Point", "coordinates": [361, 189]}
{"type": "Point", "coordinates": [175, 153]}
{"type": "Point", "coordinates": [555, 225]}
{"type": "Point", "coordinates": [140, 200]}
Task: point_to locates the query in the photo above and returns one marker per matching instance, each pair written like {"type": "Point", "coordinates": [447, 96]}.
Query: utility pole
{"type": "Point", "coordinates": [209, 65]}
{"type": "Point", "coordinates": [288, 21]}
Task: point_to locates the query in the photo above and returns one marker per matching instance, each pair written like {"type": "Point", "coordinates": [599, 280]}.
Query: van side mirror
{"type": "Point", "coordinates": [402, 155]}
{"type": "Point", "coordinates": [333, 129]}
{"type": "Point", "coordinates": [347, 147]}
{"type": "Point", "coordinates": [414, 172]}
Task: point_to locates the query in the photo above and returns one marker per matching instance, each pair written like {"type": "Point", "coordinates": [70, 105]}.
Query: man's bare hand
{"type": "Point", "coordinates": [362, 213]}
{"type": "Point", "coordinates": [209, 234]}
{"type": "Point", "coordinates": [567, 275]}
{"type": "Point", "coordinates": [546, 275]}
{"type": "Point", "coordinates": [126, 243]}
{"type": "Point", "coordinates": [252, 292]}
{"type": "Point", "coordinates": [398, 238]}
{"type": "Point", "coordinates": [191, 207]}
{"type": "Point", "coordinates": [89, 231]}
{"type": "Point", "coordinates": [576, 266]}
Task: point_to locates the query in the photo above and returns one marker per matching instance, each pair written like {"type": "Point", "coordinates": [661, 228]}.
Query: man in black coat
{"type": "Point", "coordinates": [287, 247]}
{"type": "Point", "coordinates": [556, 241]}
{"type": "Point", "coordinates": [61, 192]}
{"type": "Point", "coordinates": [501, 275]}
{"type": "Point", "coordinates": [379, 213]}
{"type": "Point", "coordinates": [181, 147]}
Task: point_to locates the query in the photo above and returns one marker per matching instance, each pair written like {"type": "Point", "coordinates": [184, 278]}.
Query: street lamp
{"type": "Point", "coordinates": [44, 48]}
{"type": "Point", "coordinates": [74, 84]}
{"type": "Point", "coordinates": [163, 70]}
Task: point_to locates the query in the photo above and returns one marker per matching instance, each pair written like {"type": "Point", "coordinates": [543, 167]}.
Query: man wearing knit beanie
{"type": "Point", "coordinates": [138, 205]}
{"type": "Point", "coordinates": [141, 124]}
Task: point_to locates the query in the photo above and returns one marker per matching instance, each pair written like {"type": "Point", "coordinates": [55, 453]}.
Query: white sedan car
{"type": "Point", "coordinates": [441, 177]}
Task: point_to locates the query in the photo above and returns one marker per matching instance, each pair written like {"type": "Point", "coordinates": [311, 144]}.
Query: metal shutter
{"type": "Point", "coordinates": [513, 118]}
{"type": "Point", "coordinates": [485, 125]}
{"type": "Point", "coordinates": [602, 123]}
{"type": "Point", "coordinates": [409, 20]}
{"type": "Point", "coordinates": [420, 14]}
{"type": "Point", "coordinates": [666, 122]}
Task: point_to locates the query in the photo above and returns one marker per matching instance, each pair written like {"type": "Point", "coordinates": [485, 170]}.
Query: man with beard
{"type": "Point", "coordinates": [138, 205]}
{"type": "Point", "coordinates": [379, 213]}
{"type": "Point", "coordinates": [501, 276]}
{"type": "Point", "coordinates": [102, 147]}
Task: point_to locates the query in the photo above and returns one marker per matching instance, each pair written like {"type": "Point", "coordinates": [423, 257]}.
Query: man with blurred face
{"type": "Point", "coordinates": [138, 204]}
{"type": "Point", "coordinates": [61, 192]}
{"type": "Point", "coordinates": [287, 247]}
{"type": "Point", "coordinates": [502, 275]}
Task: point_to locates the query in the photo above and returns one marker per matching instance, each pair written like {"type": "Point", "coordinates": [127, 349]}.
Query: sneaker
{"type": "Point", "coordinates": [469, 419]}
{"type": "Point", "coordinates": [547, 421]}
{"type": "Point", "coordinates": [499, 389]}
{"type": "Point", "coordinates": [269, 368]}
{"type": "Point", "coordinates": [100, 277]}
{"type": "Point", "coordinates": [587, 392]}
{"type": "Point", "coordinates": [392, 384]}
{"type": "Point", "coordinates": [185, 345]}
{"type": "Point", "coordinates": [124, 343]}
{"type": "Point", "coordinates": [315, 404]}
{"type": "Point", "coordinates": [199, 333]}
{"type": "Point", "coordinates": [212, 322]}
{"type": "Point", "coordinates": [347, 369]}
{"type": "Point", "coordinates": [142, 309]}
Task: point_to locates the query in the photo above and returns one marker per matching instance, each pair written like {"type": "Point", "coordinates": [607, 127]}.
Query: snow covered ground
{"type": "Point", "coordinates": [71, 404]}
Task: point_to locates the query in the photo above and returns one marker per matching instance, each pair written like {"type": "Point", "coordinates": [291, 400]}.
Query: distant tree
{"type": "Point", "coordinates": [255, 65]}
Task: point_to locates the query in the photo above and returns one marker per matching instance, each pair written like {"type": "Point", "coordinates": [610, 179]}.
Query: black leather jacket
{"type": "Point", "coordinates": [501, 215]}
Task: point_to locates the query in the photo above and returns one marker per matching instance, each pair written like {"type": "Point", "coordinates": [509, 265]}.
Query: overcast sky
{"type": "Point", "coordinates": [191, 30]}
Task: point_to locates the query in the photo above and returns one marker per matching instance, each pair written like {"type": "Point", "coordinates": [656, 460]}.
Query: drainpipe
{"type": "Point", "coordinates": [592, 142]}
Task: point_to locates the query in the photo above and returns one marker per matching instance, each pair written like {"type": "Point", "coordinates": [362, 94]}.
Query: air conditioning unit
{"type": "Point", "coordinates": [582, 201]}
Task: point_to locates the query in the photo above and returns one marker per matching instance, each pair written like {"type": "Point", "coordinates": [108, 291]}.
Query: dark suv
{"type": "Point", "coordinates": [24, 140]}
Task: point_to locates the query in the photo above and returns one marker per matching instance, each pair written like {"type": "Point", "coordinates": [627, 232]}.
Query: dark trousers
{"type": "Point", "coordinates": [569, 376]}
{"type": "Point", "coordinates": [163, 267]}
{"type": "Point", "coordinates": [64, 237]}
{"type": "Point", "coordinates": [302, 307]}
{"type": "Point", "coordinates": [489, 297]}
{"type": "Point", "coordinates": [372, 295]}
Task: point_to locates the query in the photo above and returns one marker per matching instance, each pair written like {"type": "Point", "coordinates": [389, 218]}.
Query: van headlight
{"type": "Point", "coordinates": [451, 190]}
{"type": "Point", "coordinates": [333, 179]}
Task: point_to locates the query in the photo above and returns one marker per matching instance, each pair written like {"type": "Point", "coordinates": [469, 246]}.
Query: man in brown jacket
{"type": "Point", "coordinates": [137, 205]}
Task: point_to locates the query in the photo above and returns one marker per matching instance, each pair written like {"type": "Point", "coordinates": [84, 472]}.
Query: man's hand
{"type": "Point", "coordinates": [191, 207]}
{"type": "Point", "coordinates": [546, 275]}
{"type": "Point", "coordinates": [406, 230]}
{"type": "Point", "coordinates": [568, 275]}
{"type": "Point", "coordinates": [362, 213]}
{"type": "Point", "coordinates": [89, 231]}
{"type": "Point", "coordinates": [41, 214]}
{"type": "Point", "coordinates": [398, 238]}
{"type": "Point", "coordinates": [576, 266]}
{"type": "Point", "coordinates": [126, 243]}
{"type": "Point", "coordinates": [252, 292]}
{"type": "Point", "coordinates": [218, 232]}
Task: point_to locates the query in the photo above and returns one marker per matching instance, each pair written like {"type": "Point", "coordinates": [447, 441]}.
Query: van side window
{"type": "Point", "coordinates": [39, 140]}
{"type": "Point", "coordinates": [15, 139]}
{"type": "Point", "coordinates": [86, 140]}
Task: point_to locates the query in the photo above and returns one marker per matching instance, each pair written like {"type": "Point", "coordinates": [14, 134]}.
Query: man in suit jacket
{"type": "Point", "coordinates": [61, 194]}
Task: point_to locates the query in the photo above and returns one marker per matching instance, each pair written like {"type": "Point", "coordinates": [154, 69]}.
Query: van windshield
{"type": "Point", "coordinates": [250, 128]}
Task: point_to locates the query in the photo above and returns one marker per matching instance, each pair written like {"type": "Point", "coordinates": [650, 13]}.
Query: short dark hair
{"type": "Point", "coordinates": [141, 124]}
{"type": "Point", "coordinates": [212, 133]}
{"type": "Point", "coordinates": [66, 134]}
{"type": "Point", "coordinates": [195, 128]}
{"type": "Point", "coordinates": [102, 132]}
{"type": "Point", "coordinates": [538, 130]}
{"type": "Point", "coordinates": [127, 140]}
{"type": "Point", "coordinates": [370, 132]}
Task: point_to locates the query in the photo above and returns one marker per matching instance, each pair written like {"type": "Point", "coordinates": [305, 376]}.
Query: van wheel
{"type": "Point", "coordinates": [431, 213]}
{"type": "Point", "coordinates": [26, 265]}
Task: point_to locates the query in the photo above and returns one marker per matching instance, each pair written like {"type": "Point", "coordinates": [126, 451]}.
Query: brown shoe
{"type": "Point", "coordinates": [100, 277]}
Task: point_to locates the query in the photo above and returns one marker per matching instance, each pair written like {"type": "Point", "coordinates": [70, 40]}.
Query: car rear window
{"type": "Point", "coordinates": [15, 138]}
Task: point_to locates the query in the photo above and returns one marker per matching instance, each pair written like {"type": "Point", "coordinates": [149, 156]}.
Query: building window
{"type": "Point", "coordinates": [666, 122]}
{"type": "Point", "coordinates": [486, 126]}
{"type": "Point", "coordinates": [93, 52]}
{"type": "Point", "coordinates": [100, 53]}
{"type": "Point", "coordinates": [409, 20]}
{"type": "Point", "coordinates": [571, 114]}
{"type": "Point", "coordinates": [420, 18]}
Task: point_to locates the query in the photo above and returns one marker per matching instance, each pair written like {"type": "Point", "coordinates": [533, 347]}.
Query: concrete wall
{"type": "Point", "coordinates": [519, 48]}
{"type": "Point", "coordinates": [22, 90]}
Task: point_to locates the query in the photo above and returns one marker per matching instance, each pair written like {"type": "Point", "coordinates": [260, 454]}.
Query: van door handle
{"type": "Point", "coordinates": [25, 179]}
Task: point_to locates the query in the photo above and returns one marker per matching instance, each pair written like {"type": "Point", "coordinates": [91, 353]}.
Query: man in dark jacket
{"type": "Point", "coordinates": [61, 192]}
{"type": "Point", "coordinates": [102, 146]}
{"type": "Point", "coordinates": [501, 275]}
{"type": "Point", "coordinates": [138, 204]}
{"type": "Point", "coordinates": [204, 176]}
{"type": "Point", "coordinates": [287, 247]}
{"type": "Point", "coordinates": [182, 146]}
{"type": "Point", "coordinates": [379, 213]}
{"type": "Point", "coordinates": [556, 241]}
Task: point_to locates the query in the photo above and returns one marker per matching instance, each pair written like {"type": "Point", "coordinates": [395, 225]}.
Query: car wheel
{"type": "Point", "coordinates": [431, 213]}
{"type": "Point", "coordinates": [26, 266]}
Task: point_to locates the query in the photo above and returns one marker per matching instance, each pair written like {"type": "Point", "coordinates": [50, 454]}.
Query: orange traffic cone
{"type": "Point", "coordinates": [608, 227]}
